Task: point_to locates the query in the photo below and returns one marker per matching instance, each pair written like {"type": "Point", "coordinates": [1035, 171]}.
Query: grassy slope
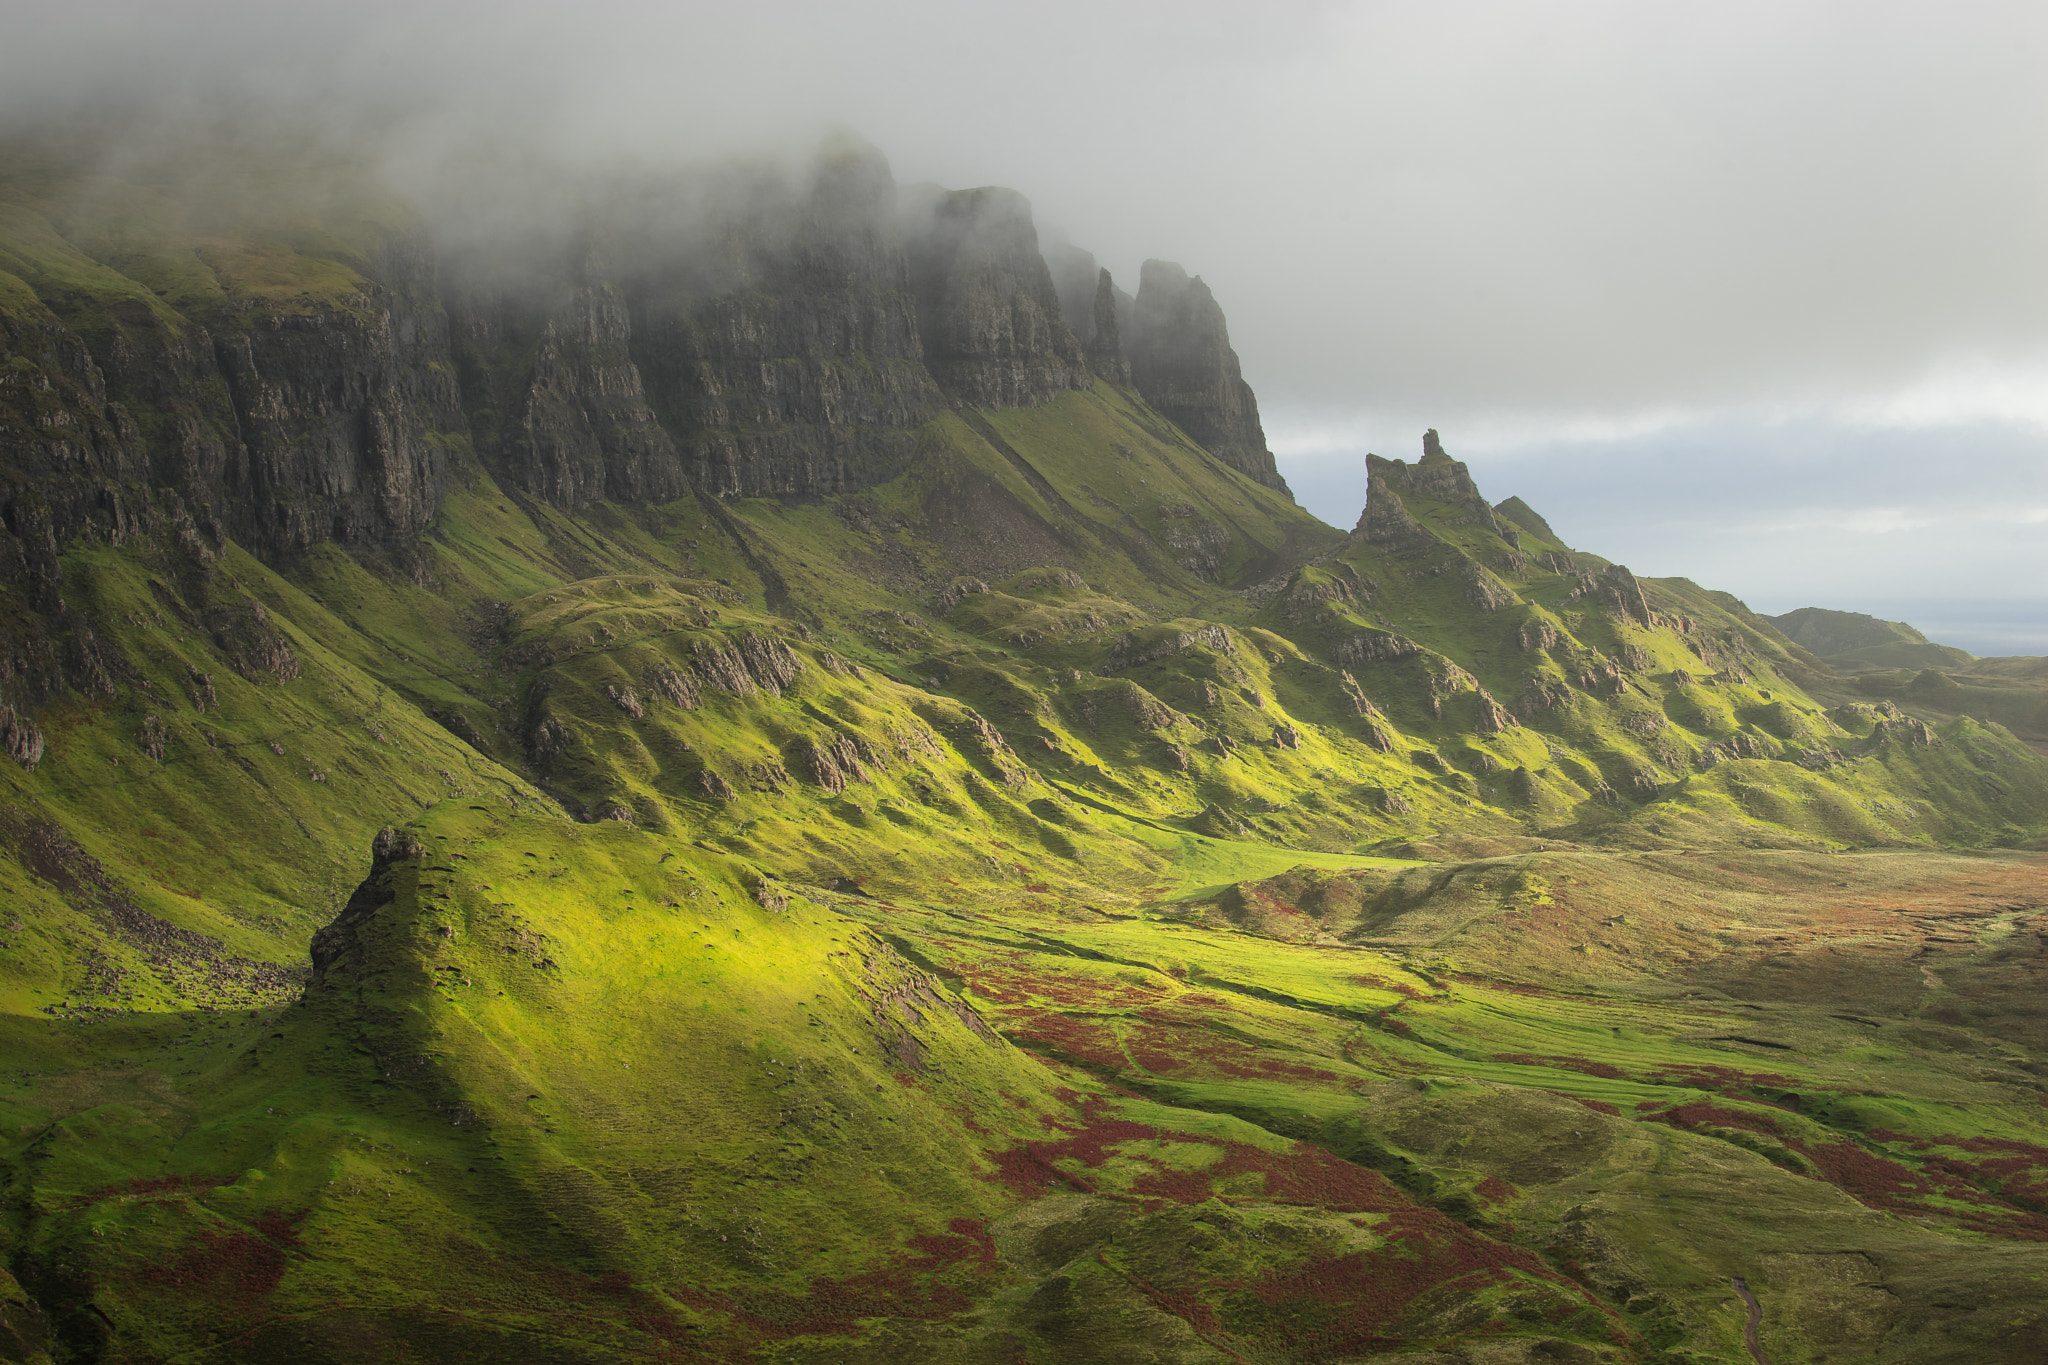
{"type": "Point", "coordinates": [1004, 1029]}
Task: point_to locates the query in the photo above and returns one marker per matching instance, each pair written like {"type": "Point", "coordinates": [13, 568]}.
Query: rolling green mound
{"type": "Point", "coordinates": [534, 832]}
{"type": "Point", "coordinates": [1855, 643]}
{"type": "Point", "coordinates": [1891, 660]}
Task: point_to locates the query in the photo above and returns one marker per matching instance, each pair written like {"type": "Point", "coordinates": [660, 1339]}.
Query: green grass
{"type": "Point", "coordinates": [956, 919]}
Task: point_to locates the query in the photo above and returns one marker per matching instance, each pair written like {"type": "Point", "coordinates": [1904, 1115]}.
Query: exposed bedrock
{"type": "Point", "coordinates": [792, 362]}
{"type": "Point", "coordinates": [1098, 312]}
{"type": "Point", "coordinates": [280, 424]}
{"type": "Point", "coordinates": [1183, 365]}
{"type": "Point", "coordinates": [790, 342]}
{"type": "Point", "coordinates": [994, 333]}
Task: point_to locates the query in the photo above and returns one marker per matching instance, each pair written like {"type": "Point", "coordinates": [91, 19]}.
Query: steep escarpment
{"type": "Point", "coordinates": [1097, 310]}
{"type": "Point", "coordinates": [285, 387]}
{"type": "Point", "coordinates": [790, 359]}
{"type": "Point", "coordinates": [279, 399]}
{"type": "Point", "coordinates": [571, 425]}
{"type": "Point", "coordinates": [1182, 362]}
{"type": "Point", "coordinates": [994, 334]}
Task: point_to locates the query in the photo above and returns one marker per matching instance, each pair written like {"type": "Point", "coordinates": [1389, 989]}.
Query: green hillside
{"type": "Point", "coordinates": [1854, 643]}
{"type": "Point", "coordinates": [1024, 891]}
{"type": "Point", "coordinates": [1893, 661]}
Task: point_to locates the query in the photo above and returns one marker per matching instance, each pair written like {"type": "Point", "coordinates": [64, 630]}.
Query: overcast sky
{"type": "Point", "coordinates": [1752, 293]}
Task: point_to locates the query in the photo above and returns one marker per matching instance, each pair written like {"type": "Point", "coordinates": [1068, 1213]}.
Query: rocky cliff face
{"type": "Point", "coordinates": [574, 428]}
{"type": "Point", "coordinates": [279, 422]}
{"type": "Point", "coordinates": [994, 333]}
{"type": "Point", "coordinates": [1097, 311]}
{"type": "Point", "coordinates": [284, 391]}
{"type": "Point", "coordinates": [1183, 365]}
{"type": "Point", "coordinates": [793, 363]}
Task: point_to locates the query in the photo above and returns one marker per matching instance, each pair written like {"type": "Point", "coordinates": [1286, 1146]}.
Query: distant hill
{"type": "Point", "coordinates": [1891, 659]}
{"type": "Point", "coordinates": [1855, 643]}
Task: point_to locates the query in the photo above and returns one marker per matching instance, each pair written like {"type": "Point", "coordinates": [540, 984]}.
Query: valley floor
{"type": "Point", "coordinates": [1559, 1106]}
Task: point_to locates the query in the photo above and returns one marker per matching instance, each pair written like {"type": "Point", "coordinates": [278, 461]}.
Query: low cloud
{"type": "Point", "coordinates": [1560, 234]}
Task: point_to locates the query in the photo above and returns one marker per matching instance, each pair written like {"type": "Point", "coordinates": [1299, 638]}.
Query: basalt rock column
{"type": "Point", "coordinates": [1183, 365]}
{"type": "Point", "coordinates": [1096, 310]}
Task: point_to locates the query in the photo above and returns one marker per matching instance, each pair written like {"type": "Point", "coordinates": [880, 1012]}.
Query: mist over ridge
{"type": "Point", "coordinates": [1588, 233]}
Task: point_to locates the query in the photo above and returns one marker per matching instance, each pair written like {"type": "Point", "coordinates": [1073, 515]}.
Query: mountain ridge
{"type": "Point", "coordinates": [827, 867]}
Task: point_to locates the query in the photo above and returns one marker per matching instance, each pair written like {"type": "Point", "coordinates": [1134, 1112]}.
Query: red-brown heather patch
{"type": "Point", "coordinates": [833, 1305]}
{"type": "Point", "coordinates": [2022, 1173]}
{"type": "Point", "coordinates": [1705, 1112]}
{"type": "Point", "coordinates": [242, 1266]}
{"type": "Point", "coordinates": [1727, 1080]}
{"type": "Point", "coordinates": [1597, 1106]}
{"type": "Point", "coordinates": [914, 1285]}
{"type": "Point", "coordinates": [1306, 1175]}
{"type": "Point", "coordinates": [1583, 1065]}
{"type": "Point", "coordinates": [1343, 1305]}
{"type": "Point", "coordinates": [1381, 983]}
{"type": "Point", "coordinates": [1022, 980]}
{"type": "Point", "coordinates": [1882, 1183]}
{"type": "Point", "coordinates": [1303, 1175]}
{"type": "Point", "coordinates": [1494, 1190]}
{"type": "Point", "coordinates": [1091, 1042]}
{"type": "Point", "coordinates": [964, 1240]}
{"type": "Point", "coordinates": [1168, 1046]}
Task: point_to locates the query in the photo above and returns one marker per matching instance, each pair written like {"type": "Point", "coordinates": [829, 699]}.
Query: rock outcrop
{"type": "Point", "coordinates": [1098, 312]}
{"type": "Point", "coordinates": [279, 420]}
{"type": "Point", "coordinates": [578, 429]}
{"type": "Point", "coordinates": [1182, 364]}
{"type": "Point", "coordinates": [779, 342]}
{"type": "Point", "coordinates": [994, 332]}
{"type": "Point", "coordinates": [792, 362]}
{"type": "Point", "coordinates": [1436, 476]}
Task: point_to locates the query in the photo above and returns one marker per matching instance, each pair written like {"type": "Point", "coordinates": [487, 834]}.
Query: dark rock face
{"type": "Point", "coordinates": [994, 333]}
{"type": "Point", "coordinates": [1386, 519]}
{"type": "Point", "coordinates": [793, 363]}
{"type": "Point", "coordinates": [1105, 346]}
{"type": "Point", "coordinates": [279, 423]}
{"type": "Point", "coordinates": [582, 431]}
{"type": "Point", "coordinates": [334, 409]}
{"type": "Point", "coordinates": [1096, 310]}
{"type": "Point", "coordinates": [788, 342]}
{"type": "Point", "coordinates": [1182, 364]}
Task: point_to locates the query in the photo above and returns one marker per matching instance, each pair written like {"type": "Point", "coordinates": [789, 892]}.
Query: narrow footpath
{"type": "Point", "coordinates": [1751, 1332]}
